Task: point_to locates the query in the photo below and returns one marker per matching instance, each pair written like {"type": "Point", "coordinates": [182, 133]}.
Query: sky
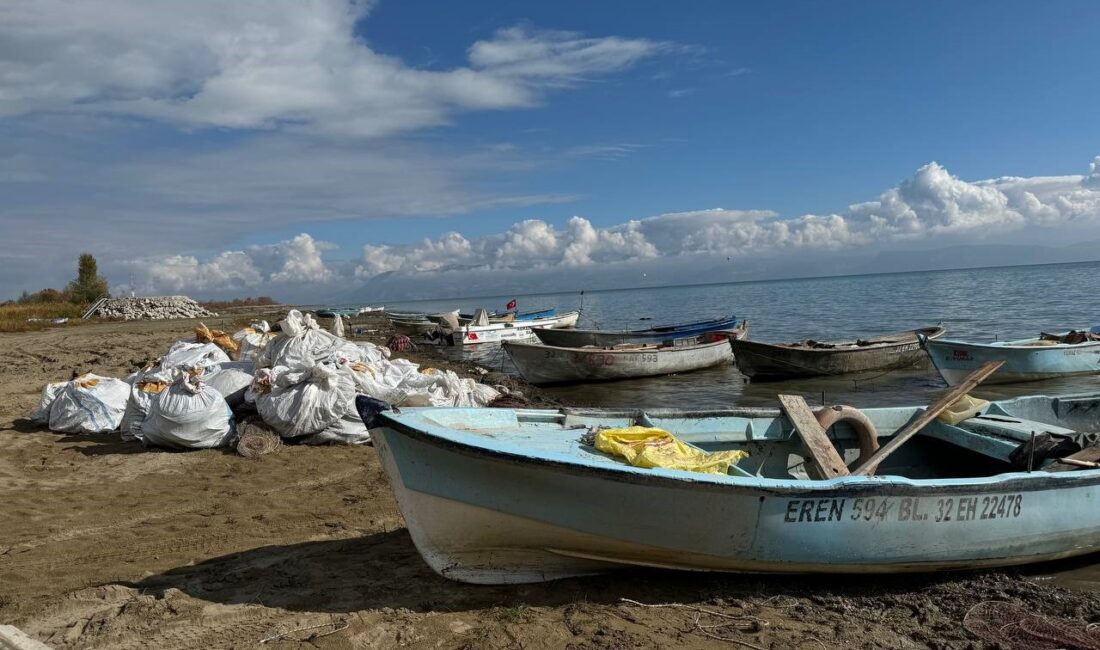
{"type": "Point", "coordinates": [311, 149]}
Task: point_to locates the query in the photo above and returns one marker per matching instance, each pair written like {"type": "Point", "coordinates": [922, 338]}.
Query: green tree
{"type": "Point", "coordinates": [88, 286]}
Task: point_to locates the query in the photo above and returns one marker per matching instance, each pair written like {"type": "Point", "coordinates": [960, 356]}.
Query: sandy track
{"type": "Point", "coordinates": [104, 544]}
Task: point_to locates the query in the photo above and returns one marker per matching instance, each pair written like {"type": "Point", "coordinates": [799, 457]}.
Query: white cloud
{"type": "Point", "coordinates": [285, 264]}
{"type": "Point", "coordinates": [932, 203]}
{"type": "Point", "coordinates": [260, 64]}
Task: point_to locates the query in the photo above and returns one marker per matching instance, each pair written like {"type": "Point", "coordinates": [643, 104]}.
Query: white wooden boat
{"type": "Point", "coordinates": [497, 332]}
{"type": "Point", "coordinates": [547, 364]}
{"type": "Point", "coordinates": [514, 496]}
{"type": "Point", "coordinates": [1034, 359]}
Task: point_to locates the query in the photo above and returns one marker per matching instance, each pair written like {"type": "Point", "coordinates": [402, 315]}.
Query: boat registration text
{"type": "Point", "coordinates": [930, 509]}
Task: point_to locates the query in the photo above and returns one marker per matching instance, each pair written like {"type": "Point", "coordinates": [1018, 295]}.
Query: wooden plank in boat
{"type": "Point", "coordinates": [946, 399]}
{"type": "Point", "coordinates": [825, 458]}
{"type": "Point", "coordinates": [1087, 455]}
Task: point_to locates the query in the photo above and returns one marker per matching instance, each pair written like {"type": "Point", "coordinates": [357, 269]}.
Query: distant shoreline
{"type": "Point", "coordinates": [715, 284]}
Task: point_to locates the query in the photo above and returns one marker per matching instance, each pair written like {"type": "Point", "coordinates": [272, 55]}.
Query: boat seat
{"type": "Point", "coordinates": [1009, 427]}
{"type": "Point", "coordinates": [996, 436]}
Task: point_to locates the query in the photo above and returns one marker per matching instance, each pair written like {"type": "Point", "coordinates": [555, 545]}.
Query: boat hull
{"type": "Point", "coordinates": [543, 364]}
{"type": "Point", "coordinates": [768, 362]}
{"type": "Point", "coordinates": [483, 516]}
{"type": "Point", "coordinates": [955, 359]}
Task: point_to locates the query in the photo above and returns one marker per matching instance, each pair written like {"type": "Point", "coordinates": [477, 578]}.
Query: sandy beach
{"type": "Point", "coordinates": [106, 544]}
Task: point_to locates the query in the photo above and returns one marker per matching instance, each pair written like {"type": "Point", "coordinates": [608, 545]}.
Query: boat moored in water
{"type": "Point", "coordinates": [1047, 357]}
{"type": "Point", "coordinates": [775, 361]}
{"type": "Point", "coordinates": [575, 338]}
{"type": "Point", "coordinates": [545, 364]}
{"type": "Point", "coordinates": [515, 496]}
{"type": "Point", "coordinates": [470, 334]}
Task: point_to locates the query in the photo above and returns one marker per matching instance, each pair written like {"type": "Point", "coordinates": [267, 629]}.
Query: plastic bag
{"type": "Point", "coordinates": [646, 447]}
{"type": "Point", "coordinates": [185, 354]}
{"type": "Point", "coordinates": [189, 414]}
{"type": "Point", "coordinates": [87, 404]}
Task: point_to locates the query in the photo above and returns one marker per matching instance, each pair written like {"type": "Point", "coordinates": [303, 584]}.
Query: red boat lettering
{"type": "Point", "coordinates": [961, 355]}
{"type": "Point", "coordinates": [471, 336]}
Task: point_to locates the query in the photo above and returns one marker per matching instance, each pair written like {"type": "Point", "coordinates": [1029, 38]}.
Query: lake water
{"type": "Point", "coordinates": [974, 305]}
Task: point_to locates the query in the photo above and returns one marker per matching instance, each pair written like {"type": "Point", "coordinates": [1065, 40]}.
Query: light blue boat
{"type": "Point", "coordinates": [514, 496]}
{"type": "Point", "coordinates": [1025, 360]}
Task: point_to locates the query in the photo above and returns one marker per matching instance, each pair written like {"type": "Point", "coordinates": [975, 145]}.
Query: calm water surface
{"type": "Point", "coordinates": [974, 305]}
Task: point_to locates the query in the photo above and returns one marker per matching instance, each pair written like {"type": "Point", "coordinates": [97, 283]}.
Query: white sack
{"type": "Point", "coordinates": [146, 385]}
{"type": "Point", "coordinates": [338, 326]}
{"type": "Point", "coordinates": [87, 404]}
{"type": "Point", "coordinates": [188, 354]}
{"type": "Point", "coordinates": [189, 415]}
{"type": "Point", "coordinates": [231, 379]}
{"type": "Point", "coordinates": [41, 414]}
{"type": "Point", "coordinates": [306, 401]}
{"type": "Point", "coordinates": [303, 344]}
{"type": "Point", "coordinates": [253, 339]}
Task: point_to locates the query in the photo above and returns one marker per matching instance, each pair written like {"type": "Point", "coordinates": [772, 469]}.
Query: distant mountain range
{"type": "Point", "coordinates": [394, 286]}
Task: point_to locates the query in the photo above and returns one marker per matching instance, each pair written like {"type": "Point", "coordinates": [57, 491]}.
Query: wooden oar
{"type": "Point", "coordinates": [946, 399]}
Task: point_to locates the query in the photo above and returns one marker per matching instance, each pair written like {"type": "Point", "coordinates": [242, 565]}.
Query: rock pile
{"type": "Point", "coordinates": [152, 308]}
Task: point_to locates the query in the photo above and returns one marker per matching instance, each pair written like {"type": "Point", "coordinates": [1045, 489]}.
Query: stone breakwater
{"type": "Point", "coordinates": [152, 308]}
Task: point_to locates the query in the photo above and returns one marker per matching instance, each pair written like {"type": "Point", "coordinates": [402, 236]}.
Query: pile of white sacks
{"type": "Point", "coordinates": [302, 381]}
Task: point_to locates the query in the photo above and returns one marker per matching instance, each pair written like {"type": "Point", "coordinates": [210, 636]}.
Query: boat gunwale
{"type": "Point", "coordinates": [519, 324]}
{"type": "Point", "coordinates": [1017, 345]}
{"type": "Point", "coordinates": [937, 331]}
{"type": "Point", "coordinates": [839, 487]}
{"type": "Point", "coordinates": [602, 350]}
{"type": "Point", "coordinates": [659, 330]}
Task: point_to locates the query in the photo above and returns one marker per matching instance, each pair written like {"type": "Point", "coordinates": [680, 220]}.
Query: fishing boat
{"type": "Point", "coordinates": [1046, 357]}
{"type": "Point", "coordinates": [575, 338]}
{"type": "Point", "coordinates": [371, 308]}
{"type": "Point", "coordinates": [547, 364]}
{"type": "Point", "coordinates": [515, 495]}
{"type": "Point", "coordinates": [510, 316]}
{"type": "Point", "coordinates": [496, 332]}
{"type": "Point", "coordinates": [775, 361]}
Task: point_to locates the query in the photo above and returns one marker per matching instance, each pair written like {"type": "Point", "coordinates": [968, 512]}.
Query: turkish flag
{"type": "Point", "coordinates": [511, 304]}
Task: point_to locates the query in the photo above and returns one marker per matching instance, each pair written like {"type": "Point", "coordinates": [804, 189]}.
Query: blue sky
{"type": "Point", "coordinates": [196, 166]}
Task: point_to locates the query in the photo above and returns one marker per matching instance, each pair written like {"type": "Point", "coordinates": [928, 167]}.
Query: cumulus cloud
{"type": "Point", "coordinates": [261, 64]}
{"type": "Point", "coordinates": [286, 264]}
{"type": "Point", "coordinates": [930, 204]}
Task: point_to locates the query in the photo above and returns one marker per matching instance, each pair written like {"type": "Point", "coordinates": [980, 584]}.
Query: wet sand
{"type": "Point", "coordinates": [105, 544]}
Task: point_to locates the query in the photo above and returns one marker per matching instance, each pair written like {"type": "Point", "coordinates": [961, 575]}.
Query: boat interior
{"type": "Point", "coordinates": [908, 336]}
{"type": "Point", "coordinates": [986, 444]}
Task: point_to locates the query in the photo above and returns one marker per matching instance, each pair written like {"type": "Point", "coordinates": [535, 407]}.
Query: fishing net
{"type": "Point", "coordinates": [256, 441]}
{"type": "Point", "coordinates": [400, 343]}
{"type": "Point", "coordinates": [1011, 626]}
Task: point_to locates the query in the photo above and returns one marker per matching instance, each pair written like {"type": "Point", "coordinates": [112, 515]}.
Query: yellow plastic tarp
{"type": "Point", "coordinates": [645, 447]}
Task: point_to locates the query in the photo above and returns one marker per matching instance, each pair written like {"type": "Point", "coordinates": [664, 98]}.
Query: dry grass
{"type": "Point", "coordinates": [14, 318]}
